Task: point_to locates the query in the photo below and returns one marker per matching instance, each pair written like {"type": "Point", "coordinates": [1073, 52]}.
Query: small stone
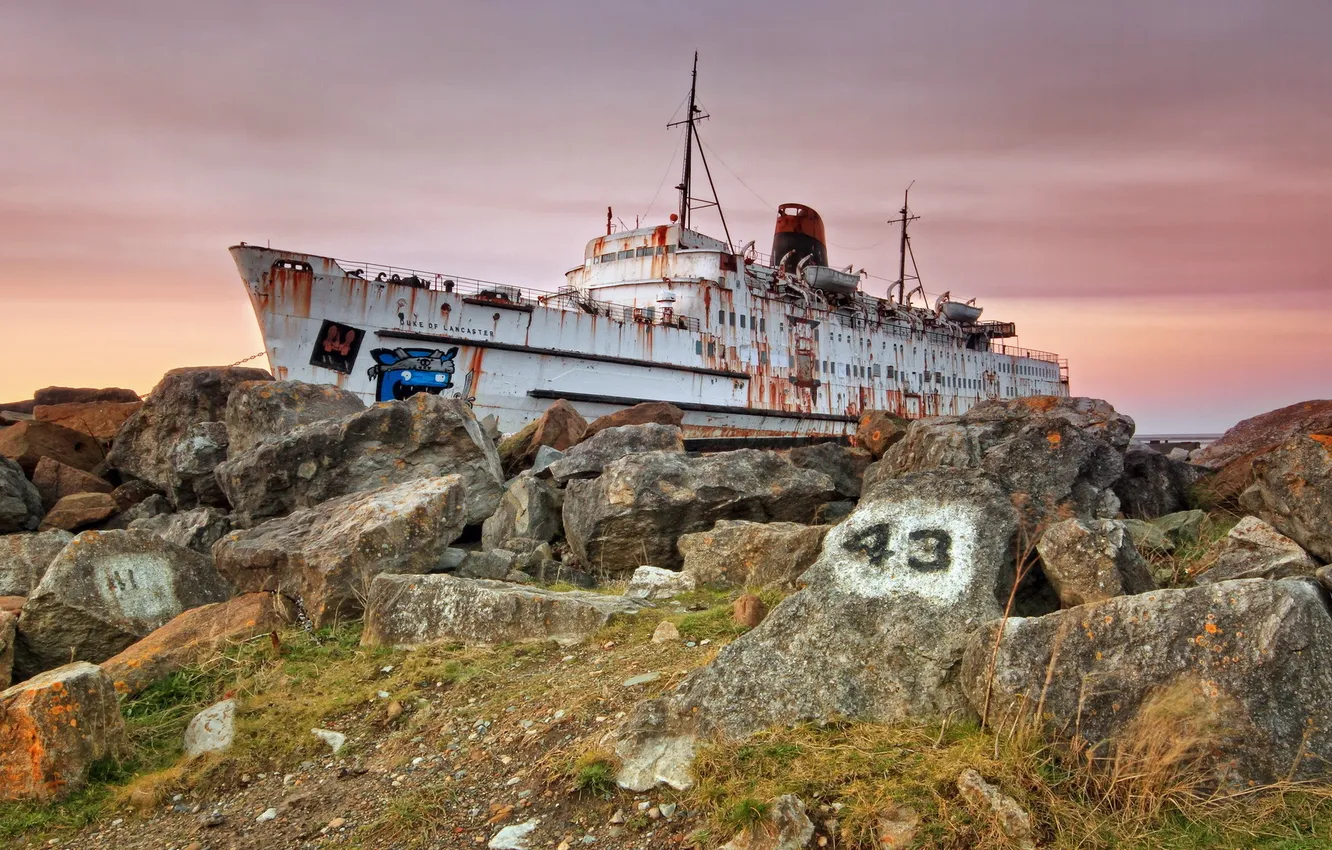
{"type": "Point", "coordinates": [749, 611]}
{"type": "Point", "coordinates": [514, 837]}
{"type": "Point", "coordinates": [619, 817]}
{"type": "Point", "coordinates": [394, 710]}
{"type": "Point", "coordinates": [666, 632]}
{"type": "Point", "coordinates": [335, 740]}
{"type": "Point", "coordinates": [668, 810]}
{"type": "Point", "coordinates": [654, 813]}
{"type": "Point", "coordinates": [1013, 821]}
{"type": "Point", "coordinates": [211, 730]}
{"type": "Point", "coordinates": [212, 819]}
{"type": "Point", "coordinates": [337, 823]}
{"type": "Point", "coordinates": [642, 679]}
{"type": "Point", "coordinates": [268, 815]}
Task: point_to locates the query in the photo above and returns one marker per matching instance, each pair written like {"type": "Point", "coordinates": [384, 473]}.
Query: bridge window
{"type": "Point", "coordinates": [763, 358]}
{"type": "Point", "coordinates": [732, 319]}
{"type": "Point", "coordinates": [742, 320]}
{"type": "Point", "coordinates": [698, 346]}
{"type": "Point", "coordinates": [721, 317]}
{"type": "Point", "coordinates": [762, 325]}
{"type": "Point", "coordinates": [712, 349]}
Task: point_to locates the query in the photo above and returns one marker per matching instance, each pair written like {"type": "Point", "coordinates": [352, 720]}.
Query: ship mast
{"type": "Point", "coordinates": [905, 248]}
{"type": "Point", "coordinates": [688, 203]}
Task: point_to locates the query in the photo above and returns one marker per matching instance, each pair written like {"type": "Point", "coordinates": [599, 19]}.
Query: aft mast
{"type": "Point", "coordinates": [688, 203]}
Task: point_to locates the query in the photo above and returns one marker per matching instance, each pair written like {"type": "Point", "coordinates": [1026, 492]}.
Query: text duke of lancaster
{"type": "Point", "coordinates": [434, 326]}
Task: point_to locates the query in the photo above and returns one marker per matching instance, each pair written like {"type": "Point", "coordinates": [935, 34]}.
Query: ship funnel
{"type": "Point", "coordinates": [799, 234]}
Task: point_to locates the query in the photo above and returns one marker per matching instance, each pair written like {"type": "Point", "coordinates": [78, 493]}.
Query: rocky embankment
{"type": "Point", "coordinates": [999, 567]}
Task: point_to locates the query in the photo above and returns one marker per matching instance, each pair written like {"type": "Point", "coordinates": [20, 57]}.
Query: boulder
{"type": "Point", "coordinates": [831, 513]}
{"type": "Point", "coordinates": [529, 509]}
{"type": "Point", "coordinates": [878, 430]}
{"type": "Point", "coordinates": [28, 442]}
{"type": "Point", "coordinates": [560, 427]}
{"type": "Point", "coordinates": [1254, 549]}
{"type": "Point", "coordinates": [18, 409]}
{"type": "Point", "coordinates": [751, 554]}
{"type": "Point", "coordinates": [1245, 665]}
{"type": "Point", "coordinates": [876, 635]}
{"type": "Point", "coordinates": [146, 444]}
{"type": "Point", "coordinates": [636, 510]}
{"type": "Point", "coordinates": [846, 466]}
{"type": "Point", "coordinates": [79, 511]}
{"type": "Point", "coordinates": [1292, 490]}
{"type": "Point", "coordinates": [107, 589]}
{"type": "Point", "coordinates": [55, 480]}
{"type": "Point", "coordinates": [196, 635]}
{"type": "Point", "coordinates": [646, 413]}
{"type": "Point", "coordinates": [25, 557]}
{"type": "Point", "coordinates": [1153, 484]}
{"type": "Point", "coordinates": [194, 459]}
{"type": "Point", "coordinates": [12, 604]}
{"type": "Point", "coordinates": [198, 529]}
{"type": "Point", "coordinates": [211, 731]}
{"type": "Point", "coordinates": [51, 396]}
{"type": "Point", "coordinates": [326, 556]}
{"type": "Point", "coordinates": [53, 727]}
{"type": "Point", "coordinates": [1092, 560]}
{"type": "Point", "coordinates": [131, 493]}
{"type": "Point", "coordinates": [545, 456]}
{"type": "Point", "coordinates": [1181, 526]}
{"type": "Point", "coordinates": [261, 410]}
{"type": "Point", "coordinates": [425, 436]}
{"type": "Point", "coordinates": [100, 419]}
{"type": "Point", "coordinates": [8, 630]}
{"type": "Point", "coordinates": [409, 611]}
{"type": "Point", "coordinates": [1057, 457]}
{"type": "Point", "coordinates": [1266, 431]}
{"type": "Point", "coordinates": [656, 583]}
{"type": "Point", "coordinates": [495, 564]}
{"type": "Point", "coordinates": [153, 506]}
{"type": "Point", "coordinates": [590, 457]}
{"type": "Point", "coordinates": [1147, 537]}
{"type": "Point", "coordinates": [20, 502]}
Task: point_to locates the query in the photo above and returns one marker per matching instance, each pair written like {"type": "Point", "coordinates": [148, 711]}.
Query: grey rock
{"type": "Point", "coordinates": [425, 436]}
{"type": "Point", "coordinates": [20, 501]}
{"type": "Point", "coordinates": [636, 510]}
{"type": "Point", "coordinates": [530, 509]}
{"type": "Point", "coordinates": [107, 589]}
{"type": "Point", "coordinates": [902, 581]}
{"type": "Point", "coordinates": [656, 583]}
{"type": "Point", "coordinates": [831, 513]}
{"type": "Point", "coordinates": [450, 560]}
{"type": "Point", "coordinates": [495, 564]}
{"type": "Point", "coordinates": [145, 445]}
{"type": "Point", "coordinates": [25, 557]}
{"type": "Point", "coordinates": [590, 457]}
{"type": "Point", "coordinates": [1014, 821]}
{"type": "Point", "coordinates": [198, 529]}
{"type": "Point", "coordinates": [1292, 490]}
{"type": "Point", "coordinates": [212, 730]}
{"type": "Point", "coordinates": [1153, 485]}
{"type": "Point", "coordinates": [408, 611]}
{"type": "Point", "coordinates": [786, 827]}
{"type": "Point", "coordinates": [1056, 457]}
{"type": "Point", "coordinates": [751, 554]}
{"type": "Point", "coordinates": [326, 556]}
{"type": "Point", "coordinates": [545, 456]}
{"type": "Point", "coordinates": [845, 465]}
{"type": "Point", "coordinates": [1246, 663]}
{"type": "Point", "coordinates": [1181, 526]}
{"type": "Point", "coordinates": [261, 410]}
{"type": "Point", "coordinates": [194, 457]}
{"type": "Point", "coordinates": [155, 505]}
{"type": "Point", "coordinates": [1147, 537]}
{"type": "Point", "coordinates": [1092, 560]}
{"type": "Point", "coordinates": [1178, 454]}
{"type": "Point", "coordinates": [8, 631]}
{"type": "Point", "coordinates": [1254, 549]}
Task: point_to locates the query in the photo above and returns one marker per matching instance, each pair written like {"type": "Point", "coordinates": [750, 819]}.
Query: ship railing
{"type": "Point", "coordinates": [1030, 353]}
{"type": "Point", "coordinates": [573, 298]}
{"type": "Point", "coordinates": [487, 289]}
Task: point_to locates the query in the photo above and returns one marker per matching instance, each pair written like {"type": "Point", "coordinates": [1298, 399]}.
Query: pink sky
{"type": "Point", "coordinates": [1143, 187]}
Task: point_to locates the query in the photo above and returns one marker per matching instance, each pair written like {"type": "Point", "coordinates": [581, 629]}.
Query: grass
{"type": "Point", "coordinates": [595, 775]}
{"type": "Point", "coordinates": [1191, 558]}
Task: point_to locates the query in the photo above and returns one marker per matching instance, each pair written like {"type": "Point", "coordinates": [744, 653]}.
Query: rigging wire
{"type": "Point", "coordinates": [665, 175]}
{"type": "Point", "coordinates": [712, 151]}
{"type": "Point", "coordinates": [866, 248]}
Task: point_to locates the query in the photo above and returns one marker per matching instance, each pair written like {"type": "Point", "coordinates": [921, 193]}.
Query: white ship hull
{"type": "Point", "coordinates": [666, 331]}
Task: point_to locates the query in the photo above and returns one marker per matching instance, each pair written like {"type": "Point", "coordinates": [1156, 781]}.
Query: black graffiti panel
{"type": "Point", "coordinates": [336, 347]}
{"type": "Point", "coordinates": [928, 549]}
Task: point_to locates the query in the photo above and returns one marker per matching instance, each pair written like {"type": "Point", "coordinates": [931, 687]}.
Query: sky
{"type": "Point", "coordinates": [1144, 187]}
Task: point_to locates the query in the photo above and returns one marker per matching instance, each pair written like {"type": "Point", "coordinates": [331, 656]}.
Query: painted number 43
{"type": "Point", "coordinates": [927, 549]}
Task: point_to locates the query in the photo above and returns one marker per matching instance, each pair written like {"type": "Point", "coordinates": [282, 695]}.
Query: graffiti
{"type": "Point", "coordinates": [401, 373]}
{"type": "Point", "coordinates": [336, 347]}
{"type": "Point", "coordinates": [928, 550]}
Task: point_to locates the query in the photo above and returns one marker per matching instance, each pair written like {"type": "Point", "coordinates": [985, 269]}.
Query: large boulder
{"type": "Point", "coordinates": [529, 508]}
{"type": "Point", "coordinates": [845, 465]}
{"type": "Point", "coordinates": [196, 635]}
{"type": "Point", "coordinates": [260, 410]}
{"type": "Point", "coordinates": [194, 459]}
{"type": "Point", "coordinates": [1057, 457]}
{"type": "Point", "coordinates": [55, 480]}
{"type": "Point", "coordinates": [25, 557]}
{"type": "Point", "coordinates": [1292, 490]}
{"type": "Point", "coordinates": [1266, 431]}
{"type": "Point", "coordinates": [53, 728]}
{"type": "Point", "coordinates": [20, 501]}
{"type": "Point", "coordinates": [877, 634]}
{"type": "Point", "coordinates": [1254, 549]}
{"type": "Point", "coordinates": [51, 396]}
{"type": "Point", "coordinates": [410, 611]}
{"type": "Point", "coordinates": [645, 413]}
{"type": "Point", "coordinates": [636, 510]}
{"type": "Point", "coordinates": [146, 445]}
{"type": "Point", "coordinates": [8, 631]}
{"type": "Point", "coordinates": [590, 457]}
{"type": "Point", "coordinates": [878, 430]}
{"type": "Point", "coordinates": [1245, 664]}
{"type": "Point", "coordinates": [78, 511]}
{"type": "Point", "coordinates": [100, 419]}
{"type": "Point", "coordinates": [1154, 484]}
{"type": "Point", "coordinates": [1092, 560]}
{"type": "Point", "coordinates": [425, 436]}
{"type": "Point", "coordinates": [326, 556]}
{"type": "Point", "coordinates": [107, 589]}
{"type": "Point", "coordinates": [560, 427]}
{"type": "Point", "coordinates": [198, 529]}
{"type": "Point", "coordinates": [751, 554]}
{"type": "Point", "coordinates": [29, 441]}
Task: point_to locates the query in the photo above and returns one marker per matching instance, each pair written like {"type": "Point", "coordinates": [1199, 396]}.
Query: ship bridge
{"type": "Point", "coordinates": [657, 255]}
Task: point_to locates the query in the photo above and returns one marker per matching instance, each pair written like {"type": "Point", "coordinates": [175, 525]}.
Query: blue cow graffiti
{"type": "Point", "coordinates": [401, 373]}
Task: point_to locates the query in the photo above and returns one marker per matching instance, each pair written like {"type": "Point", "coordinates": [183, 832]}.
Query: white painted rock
{"type": "Point", "coordinates": [335, 740]}
{"type": "Point", "coordinates": [514, 837]}
{"type": "Point", "coordinates": [211, 730]}
{"type": "Point", "coordinates": [656, 583]}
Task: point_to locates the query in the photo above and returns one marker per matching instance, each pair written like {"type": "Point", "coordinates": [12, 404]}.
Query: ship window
{"type": "Point", "coordinates": [848, 370]}
{"type": "Point", "coordinates": [712, 349]}
{"type": "Point", "coordinates": [698, 346]}
{"type": "Point", "coordinates": [892, 371]}
{"type": "Point", "coordinates": [733, 320]}
{"type": "Point", "coordinates": [790, 361]}
{"type": "Point", "coordinates": [645, 252]}
{"type": "Point", "coordinates": [763, 358]}
{"type": "Point", "coordinates": [742, 320]}
{"type": "Point", "coordinates": [624, 255]}
{"type": "Point", "coordinates": [816, 334]}
{"type": "Point", "coordinates": [762, 325]}
{"type": "Point", "coordinates": [878, 372]}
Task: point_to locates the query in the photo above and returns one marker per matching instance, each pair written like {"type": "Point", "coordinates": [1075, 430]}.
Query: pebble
{"type": "Point", "coordinates": [642, 679]}
{"type": "Point", "coordinates": [337, 823]}
{"type": "Point", "coordinates": [666, 632]}
{"type": "Point", "coordinates": [268, 814]}
{"type": "Point", "coordinates": [213, 818]}
{"type": "Point", "coordinates": [668, 810]}
{"type": "Point", "coordinates": [618, 817]}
